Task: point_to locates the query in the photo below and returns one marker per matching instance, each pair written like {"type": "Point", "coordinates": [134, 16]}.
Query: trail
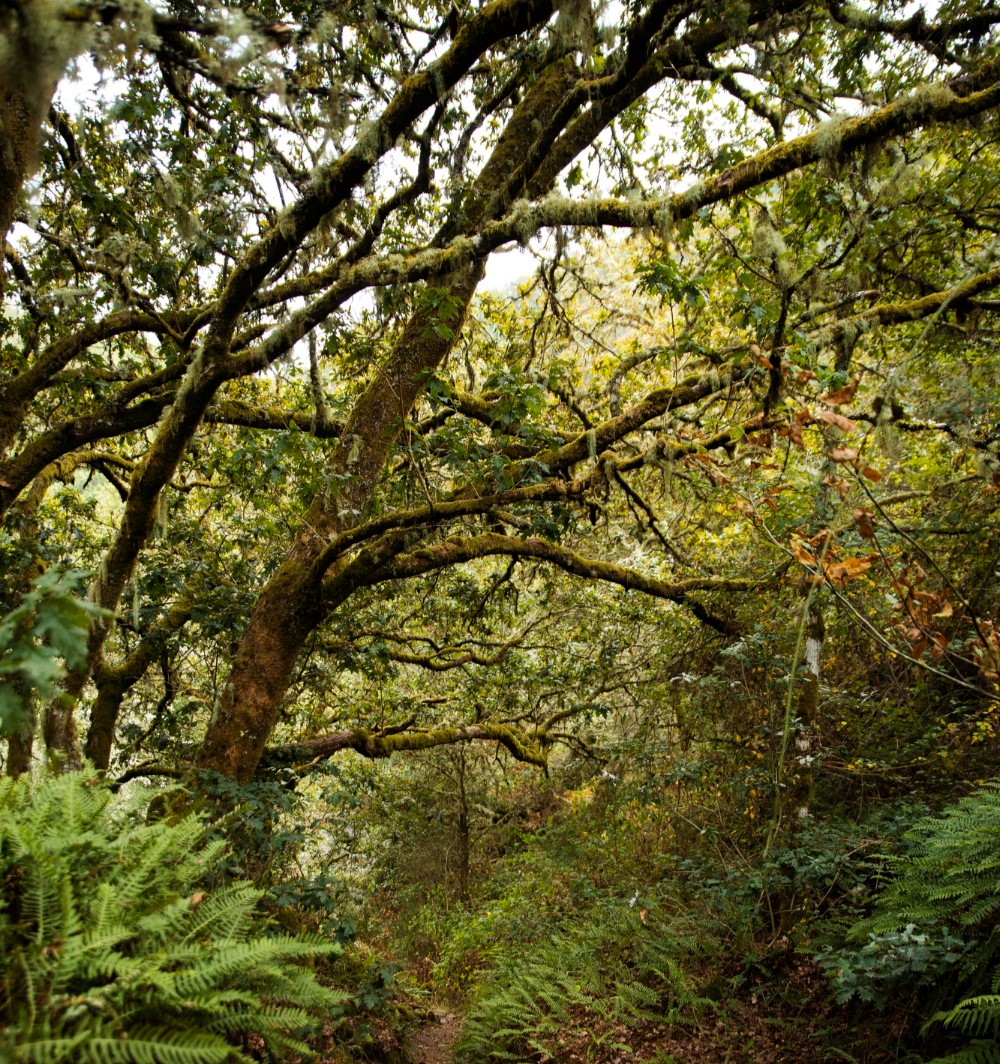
{"type": "Point", "coordinates": [433, 1043]}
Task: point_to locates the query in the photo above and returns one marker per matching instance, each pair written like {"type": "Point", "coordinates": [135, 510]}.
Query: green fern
{"type": "Point", "coordinates": [612, 967]}
{"type": "Point", "coordinates": [947, 884]}
{"type": "Point", "coordinates": [109, 954]}
{"type": "Point", "coordinates": [975, 1053]}
{"type": "Point", "coordinates": [949, 877]}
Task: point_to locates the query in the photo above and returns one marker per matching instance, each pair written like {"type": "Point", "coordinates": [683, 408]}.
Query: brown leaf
{"type": "Point", "coordinates": [831, 417]}
{"type": "Point", "coordinates": [866, 526]}
{"type": "Point", "coordinates": [794, 433]}
{"type": "Point", "coordinates": [823, 537]}
{"type": "Point", "coordinates": [839, 484]}
{"type": "Point", "coordinates": [843, 572]}
{"type": "Point", "coordinates": [802, 556]}
{"type": "Point", "coordinates": [842, 395]}
{"type": "Point", "coordinates": [759, 357]}
{"type": "Point", "coordinates": [872, 474]}
{"type": "Point", "coordinates": [197, 899]}
{"type": "Point", "coordinates": [804, 375]}
{"type": "Point", "coordinates": [844, 454]}
{"type": "Point", "coordinates": [764, 440]}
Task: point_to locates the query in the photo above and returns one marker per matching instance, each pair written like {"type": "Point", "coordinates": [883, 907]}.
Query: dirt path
{"type": "Point", "coordinates": [432, 1043]}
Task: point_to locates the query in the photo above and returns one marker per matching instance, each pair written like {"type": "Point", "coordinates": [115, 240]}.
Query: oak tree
{"type": "Point", "coordinates": [242, 255]}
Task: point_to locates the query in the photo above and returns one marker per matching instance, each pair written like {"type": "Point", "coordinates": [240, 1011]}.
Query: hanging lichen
{"type": "Point", "coordinates": [769, 246]}
{"type": "Point", "coordinates": [574, 27]}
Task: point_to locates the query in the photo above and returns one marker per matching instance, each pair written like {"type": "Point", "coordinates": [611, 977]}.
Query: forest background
{"type": "Point", "coordinates": [614, 655]}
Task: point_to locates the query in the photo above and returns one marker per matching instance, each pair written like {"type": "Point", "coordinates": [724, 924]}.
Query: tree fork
{"type": "Point", "coordinates": [291, 605]}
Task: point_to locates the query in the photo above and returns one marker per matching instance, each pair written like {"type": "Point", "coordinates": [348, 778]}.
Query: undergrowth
{"type": "Point", "coordinates": [112, 951]}
{"type": "Point", "coordinates": [618, 965]}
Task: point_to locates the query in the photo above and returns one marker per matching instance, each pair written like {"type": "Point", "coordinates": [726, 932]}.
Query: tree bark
{"type": "Point", "coordinates": [20, 745]}
{"type": "Point", "coordinates": [292, 604]}
{"type": "Point", "coordinates": [33, 55]}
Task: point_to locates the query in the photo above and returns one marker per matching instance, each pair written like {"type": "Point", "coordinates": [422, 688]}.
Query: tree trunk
{"type": "Point", "coordinates": [30, 68]}
{"type": "Point", "coordinates": [801, 788]}
{"type": "Point", "coordinates": [463, 828]}
{"type": "Point", "coordinates": [291, 604]}
{"type": "Point", "coordinates": [104, 718]}
{"type": "Point", "coordinates": [20, 745]}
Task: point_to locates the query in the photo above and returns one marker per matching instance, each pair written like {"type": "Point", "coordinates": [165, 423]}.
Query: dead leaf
{"type": "Point", "coordinates": [866, 526]}
{"type": "Point", "coordinates": [844, 454]}
{"type": "Point", "coordinates": [802, 555]}
{"type": "Point", "coordinates": [831, 417]}
{"type": "Point", "coordinates": [842, 395]}
{"type": "Point", "coordinates": [794, 433]}
{"type": "Point", "coordinates": [759, 357]}
{"type": "Point", "coordinates": [764, 440]}
{"type": "Point", "coordinates": [843, 572]}
{"type": "Point", "coordinates": [839, 484]}
{"type": "Point", "coordinates": [872, 474]}
{"type": "Point", "coordinates": [823, 538]}
{"type": "Point", "coordinates": [939, 645]}
{"type": "Point", "coordinates": [197, 899]}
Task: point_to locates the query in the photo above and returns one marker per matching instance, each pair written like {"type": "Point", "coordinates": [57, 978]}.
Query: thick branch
{"type": "Point", "coordinates": [374, 744]}
{"type": "Point", "coordinates": [460, 549]}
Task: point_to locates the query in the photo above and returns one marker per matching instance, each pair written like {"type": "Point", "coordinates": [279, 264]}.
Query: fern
{"type": "Point", "coordinates": [975, 1053]}
{"type": "Point", "coordinates": [110, 955]}
{"type": "Point", "coordinates": [609, 969]}
{"type": "Point", "coordinates": [946, 886]}
{"type": "Point", "coordinates": [948, 878]}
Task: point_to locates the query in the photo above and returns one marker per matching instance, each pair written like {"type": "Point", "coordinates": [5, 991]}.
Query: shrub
{"type": "Point", "coordinates": [938, 922]}
{"type": "Point", "coordinates": [46, 632]}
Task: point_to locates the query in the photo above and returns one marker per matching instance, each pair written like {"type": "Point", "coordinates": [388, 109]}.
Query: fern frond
{"type": "Point", "coordinates": [111, 961]}
{"type": "Point", "coordinates": [976, 1053]}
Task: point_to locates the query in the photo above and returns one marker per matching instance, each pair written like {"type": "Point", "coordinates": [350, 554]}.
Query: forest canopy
{"type": "Point", "coordinates": [330, 492]}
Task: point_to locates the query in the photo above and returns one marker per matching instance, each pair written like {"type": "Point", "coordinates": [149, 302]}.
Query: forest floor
{"type": "Point", "coordinates": [432, 1043]}
{"type": "Point", "coordinates": [791, 1020]}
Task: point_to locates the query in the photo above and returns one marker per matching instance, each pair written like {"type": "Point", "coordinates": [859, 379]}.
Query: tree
{"type": "Point", "coordinates": [325, 184]}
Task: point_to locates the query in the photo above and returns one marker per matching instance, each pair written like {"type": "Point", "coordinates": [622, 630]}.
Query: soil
{"type": "Point", "coordinates": [432, 1043]}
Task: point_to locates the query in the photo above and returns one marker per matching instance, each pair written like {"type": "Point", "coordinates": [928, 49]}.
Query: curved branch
{"type": "Point", "coordinates": [521, 746]}
{"type": "Point", "coordinates": [460, 549]}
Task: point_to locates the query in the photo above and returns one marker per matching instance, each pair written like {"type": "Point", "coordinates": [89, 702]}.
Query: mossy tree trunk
{"type": "Point", "coordinates": [293, 603]}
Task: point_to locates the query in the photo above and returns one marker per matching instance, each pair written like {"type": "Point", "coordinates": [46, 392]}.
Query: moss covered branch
{"type": "Point", "coordinates": [940, 102]}
{"type": "Point", "coordinates": [460, 549]}
{"type": "Point", "coordinates": [521, 746]}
